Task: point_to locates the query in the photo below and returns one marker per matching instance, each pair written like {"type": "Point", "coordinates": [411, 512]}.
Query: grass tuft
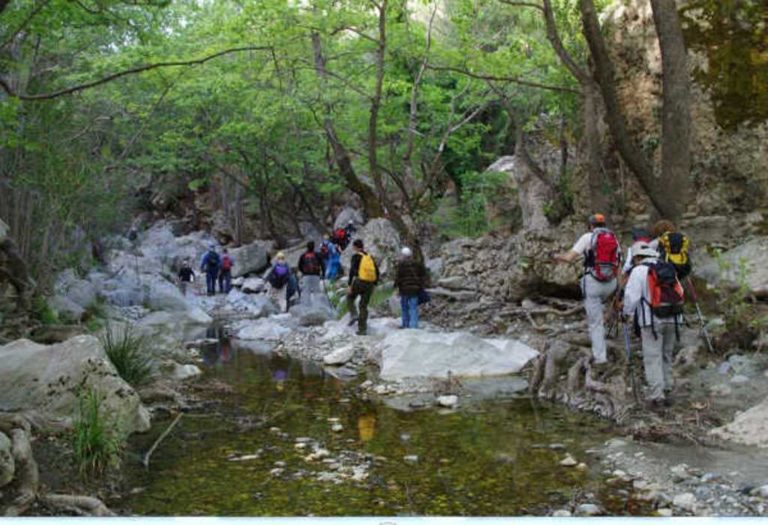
{"type": "Point", "coordinates": [128, 352]}
{"type": "Point", "coordinates": [96, 446]}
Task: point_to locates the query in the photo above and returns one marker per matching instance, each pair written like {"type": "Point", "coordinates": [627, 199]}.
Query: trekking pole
{"type": "Point", "coordinates": [630, 367]}
{"type": "Point", "coordinates": [698, 313]}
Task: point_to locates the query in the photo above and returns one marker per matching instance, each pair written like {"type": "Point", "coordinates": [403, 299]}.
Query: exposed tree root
{"type": "Point", "coordinates": [27, 481]}
{"type": "Point", "coordinates": [79, 505]}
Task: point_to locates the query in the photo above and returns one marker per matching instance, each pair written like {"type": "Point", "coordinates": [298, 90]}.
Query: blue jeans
{"type": "Point", "coordinates": [210, 280]}
{"type": "Point", "coordinates": [409, 308]}
{"type": "Point", "coordinates": [225, 281]}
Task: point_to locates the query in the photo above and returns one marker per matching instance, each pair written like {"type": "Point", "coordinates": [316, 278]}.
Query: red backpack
{"type": "Point", "coordinates": [340, 236]}
{"type": "Point", "coordinates": [603, 257]}
{"type": "Point", "coordinates": [226, 263]}
{"type": "Point", "coordinates": [310, 264]}
{"type": "Point", "coordinates": [666, 293]}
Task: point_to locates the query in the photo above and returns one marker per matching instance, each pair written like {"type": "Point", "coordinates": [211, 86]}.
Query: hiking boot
{"type": "Point", "coordinates": [655, 405]}
{"type": "Point", "coordinates": [361, 332]}
{"type": "Point", "coordinates": [352, 321]}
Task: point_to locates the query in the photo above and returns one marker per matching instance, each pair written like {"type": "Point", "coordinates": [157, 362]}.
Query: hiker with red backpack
{"type": "Point", "coordinates": [602, 256]}
{"type": "Point", "coordinates": [654, 298]}
{"type": "Point", "coordinates": [312, 269]}
{"type": "Point", "coordinates": [225, 272]}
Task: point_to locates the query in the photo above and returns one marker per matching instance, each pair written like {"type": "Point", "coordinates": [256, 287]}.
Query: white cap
{"type": "Point", "coordinates": [643, 250]}
{"type": "Point", "coordinates": [406, 252]}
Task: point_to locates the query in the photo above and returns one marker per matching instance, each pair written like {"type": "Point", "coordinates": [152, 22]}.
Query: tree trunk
{"type": "Point", "coordinates": [676, 111]}
{"type": "Point", "coordinates": [591, 110]}
{"type": "Point", "coordinates": [628, 149]}
{"type": "Point", "coordinates": [371, 204]}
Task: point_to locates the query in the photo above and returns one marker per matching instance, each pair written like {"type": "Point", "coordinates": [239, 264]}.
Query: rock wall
{"type": "Point", "coordinates": [728, 164]}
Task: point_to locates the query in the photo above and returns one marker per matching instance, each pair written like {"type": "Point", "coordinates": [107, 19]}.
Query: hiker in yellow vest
{"type": "Point", "coordinates": [363, 277]}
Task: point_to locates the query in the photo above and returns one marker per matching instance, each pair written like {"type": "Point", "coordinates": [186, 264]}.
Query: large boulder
{"type": "Point", "coordinates": [253, 285]}
{"type": "Point", "coordinates": [7, 463]}
{"type": "Point", "coordinates": [254, 305]}
{"type": "Point", "coordinates": [381, 240]}
{"type": "Point", "coordinates": [267, 329]}
{"type": "Point", "coordinates": [48, 379]}
{"type": "Point", "coordinates": [251, 258]}
{"type": "Point", "coordinates": [419, 354]}
{"type": "Point", "coordinates": [182, 324]}
{"type": "Point", "coordinates": [163, 295]}
{"type": "Point", "coordinates": [748, 428]}
{"type": "Point", "coordinates": [76, 290]}
{"type": "Point", "coordinates": [346, 215]}
{"type": "Point", "coordinates": [315, 313]}
{"type": "Point", "coordinates": [753, 254]}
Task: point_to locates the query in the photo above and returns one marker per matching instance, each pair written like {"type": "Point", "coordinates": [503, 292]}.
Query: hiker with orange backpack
{"type": "Point", "coordinates": [654, 298]}
{"type": "Point", "coordinates": [601, 252]}
{"type": "Point", "coordinates": [363, 277]}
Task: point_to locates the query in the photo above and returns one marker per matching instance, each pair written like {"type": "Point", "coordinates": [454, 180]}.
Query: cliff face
{"type": "Point", "coordinates": [730, 132]}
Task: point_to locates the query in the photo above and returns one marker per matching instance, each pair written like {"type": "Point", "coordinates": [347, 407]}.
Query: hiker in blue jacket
{"type": "Point", "coordinates": [210, 265]}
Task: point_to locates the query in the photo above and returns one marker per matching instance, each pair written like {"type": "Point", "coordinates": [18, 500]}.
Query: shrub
{"type": "Point", "coordinates": [96, 446]}
{"type": "Point", "coordinates": [43, 312]}
{"type": "Point", "coordinates": [128, 352]}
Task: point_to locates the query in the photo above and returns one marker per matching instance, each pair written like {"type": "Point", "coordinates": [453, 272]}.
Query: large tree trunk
{"type": "Point", "coordinates": [633, 156]}
{"type": "Point", "coordinates": [676, 113]}
{"type": "Point", "coordinates": [592, 143]}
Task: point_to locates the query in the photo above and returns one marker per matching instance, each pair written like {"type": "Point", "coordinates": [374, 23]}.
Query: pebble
{"type": "Point", "coordinates": [739, 379]}
{"type": "Point", "coordinates": [448, 401]}
{"type": "Point", "coordinates": [680, 472]}
{"type": "Point", "coordinates": [280, 464]}
{"type": "Point", "coordinates": [664, 513]}
{"type": "Point", "coordinates": [710, 476]}
{"type": "Point", "coordinates": [300, 446]}
{"type": "Point", "coordinates": [337, 427]}
{"type": "Point", "coordinates": [582, 466]}
{"type": "Point", "coordinates": [411, 459]}
{"type": "Point", "coordinates": [276, 471]}
{"type": "Point", "coordinates": [588, 509]}
{"type": "Point", "coordinates": [620, 474]}
{"type": "Point", "coordinates": [640, 484]}
{"type": "Point", "coordinates": [562, 513]}
{"type": "Point", "coordinates": [569, 461]}
{"type": "Point", "coordinates": [685, 501]}
{"type": "Point", "coordinates": [274, 430]}
{"type": "Point", "coordinates": [557, 446]}
{"type": "Point", "coordinates": [333, 420]}
{"type": "Point", "coordinates": [761, 491]}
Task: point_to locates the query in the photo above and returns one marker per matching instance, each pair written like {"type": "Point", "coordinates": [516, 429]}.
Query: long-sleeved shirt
{"type": "Point", "coordinates": [354, 267]}
{"type": "Point", "coordinates": [411, 277]}
{"type": "Point", "coordinates": [310, 263]}
{"type": "Point", "coordinates": [637, 297]}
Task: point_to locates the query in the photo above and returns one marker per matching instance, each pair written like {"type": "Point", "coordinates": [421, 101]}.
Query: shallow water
{"type": "Point", "coordinates": [491, 459]}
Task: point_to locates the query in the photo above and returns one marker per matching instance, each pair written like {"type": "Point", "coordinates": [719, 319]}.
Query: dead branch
{"type": "Point", "coordinates": [81, 505]}
{"type": "Point", "coordinates": [159, 440]}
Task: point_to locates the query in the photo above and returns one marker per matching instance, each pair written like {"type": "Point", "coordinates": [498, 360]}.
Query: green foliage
{"type": "Point", "coordinates": [469, 218]}
{"type": "Point", "coordinates": [129, 353]}
{"type": "Point", "coordinates": [43, 312]}
{"type": "Point", "coordinates": [743, 325]}
{"type": "Point", "coordinates": [95, 445]}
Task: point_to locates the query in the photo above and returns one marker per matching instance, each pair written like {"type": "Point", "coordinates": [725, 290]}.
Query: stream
{"type": "Point", "coordinates": [279, 437]}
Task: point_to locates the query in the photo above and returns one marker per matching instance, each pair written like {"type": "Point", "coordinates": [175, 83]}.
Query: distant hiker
{"type": "Point", "coordinates": [312, 270]}
{"type": "Point", "coordinates": [410, 280]}
{"type": "Point", "coordinates": [363, 277]}
{"type": "Point", "coordinates": [350, 229]}
{"type": "Point", "coordinates": [333, 266]}
{"type": "Point", "coordinates": [654, 297]}
{"type": "Point", "coordinates": [340, 238]}
{"type": "Point", "coordinates": [186, 276]}
{"type": "Point", "coordinates": [279, 277]}
{"type": "Point", "coordinates": [639, 236]}
{"type": "Point", "coordinates": [225, 273]}
{"type": "Point", "coordinates": [325, 250]}
{"type": "Point", "coordinates": [673, 247]}
{"type": "Point", "coordinates": [601, 252]}
{"type": "Point", "coordinates": [210, 264]}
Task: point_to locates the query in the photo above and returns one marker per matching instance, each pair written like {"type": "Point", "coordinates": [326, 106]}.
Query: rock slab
{"type": "Point", "coordinates": [421, 354]}
{"type": "Point", "coordinates": [48, 378]}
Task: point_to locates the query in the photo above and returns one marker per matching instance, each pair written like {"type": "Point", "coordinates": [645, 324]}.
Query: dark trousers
{"type": "Point", "coordinates": [210, 280]}
{"type": "Point", "coordinates": [225, 281]}
{"type": "Point", "coordinates": [364, 290]}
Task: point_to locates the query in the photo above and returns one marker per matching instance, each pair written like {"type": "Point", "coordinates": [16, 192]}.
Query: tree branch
{"type": "Point", "coordinates": [514, 80]}
{"type": "Point", "coordinates": [132, 71]}
{"type": "Point", "coordinates": [32, 14]}
{"type": "Point", "coordinates": [522, 4]}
